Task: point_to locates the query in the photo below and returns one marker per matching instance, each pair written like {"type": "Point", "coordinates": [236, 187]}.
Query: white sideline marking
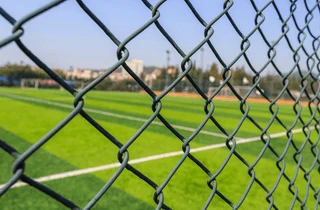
{"type": "Point", "coordinates": [144, 159]}
{"type": "Point", "coordinates": [110, 114]}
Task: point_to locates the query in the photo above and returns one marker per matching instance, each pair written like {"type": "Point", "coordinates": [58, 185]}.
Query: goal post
{"type": "Point", "coordinates": [49, 84]}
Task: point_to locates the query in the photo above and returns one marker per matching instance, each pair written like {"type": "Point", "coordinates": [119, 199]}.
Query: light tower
{"type": "Point", "coordinates": [166, 70]}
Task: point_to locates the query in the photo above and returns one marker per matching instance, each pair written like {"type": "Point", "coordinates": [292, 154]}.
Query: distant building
{"type": "Point", "coordinates": [171, 70]}
{"type": "Point", "coordinates": [96, 73]}
{"type": "Point", "coordinates": [86, 74]}
{"type": "Point", "coordinates": [74, 74]}
{"type": "Point", "coordinates": [116, 76]}
{"type": "Point", "coordinates": [152, 75]}
{"type": "Point", "coordinates": [36, 68]}
{"type": "Point", "coordinates": [135, 65]}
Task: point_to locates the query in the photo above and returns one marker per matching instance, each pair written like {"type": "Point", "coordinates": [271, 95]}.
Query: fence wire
{"type": "Point", "coordinates": [307, 79]}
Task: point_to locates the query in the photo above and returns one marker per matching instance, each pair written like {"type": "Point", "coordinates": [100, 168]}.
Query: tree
{"type": "Point", "coordinates": [159, 82]}
{"type": "Point", "coordinates": [238, 75]}
{"type": "Point", "coordinates": [15, 72]}
{"type": "Point", "coordinates": [214, 72]}
{"type": "Point", "coordinates": [60, 73]}
{"type": "Point", "coordinates": [271, 84]}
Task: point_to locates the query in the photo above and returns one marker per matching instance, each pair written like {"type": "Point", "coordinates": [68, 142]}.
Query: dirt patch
{"type": "Point", "coordinates": [229, 98]}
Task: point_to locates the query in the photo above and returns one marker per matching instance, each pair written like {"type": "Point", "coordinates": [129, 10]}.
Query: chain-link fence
{"type": "Point", "coordinates": [309, 90]}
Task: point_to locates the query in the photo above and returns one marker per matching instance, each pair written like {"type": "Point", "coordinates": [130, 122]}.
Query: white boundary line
{"type": "Point", "coordinates": [142, 160]}
{"type": "Point", "coordinates": [109, 114]}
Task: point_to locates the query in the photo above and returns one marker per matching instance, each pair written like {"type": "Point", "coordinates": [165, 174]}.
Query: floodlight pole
{"type": "Point", "coordinates": [201, 50]}
{"type": "Point", "coordinates": [168, 58]}
{"type": "Point", "coordinates": [166, 70]}
{"type": "Point", "coordinates": [271, 80]}
{"type": "Point", "coordinates": [201, 58]}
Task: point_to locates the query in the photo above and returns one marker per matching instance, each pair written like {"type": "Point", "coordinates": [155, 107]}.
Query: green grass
{"type": "Point", "coordinates": [78, 145]}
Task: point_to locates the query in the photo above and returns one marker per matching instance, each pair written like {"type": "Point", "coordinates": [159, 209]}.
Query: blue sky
{"type": "Point", "coordinates": [65, 36]}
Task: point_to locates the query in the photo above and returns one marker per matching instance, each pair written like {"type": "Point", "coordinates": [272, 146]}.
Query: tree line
{"type": "Point", "coordinates": [15, 72]}
{"type": "Point", "coordinates": [270, 83]}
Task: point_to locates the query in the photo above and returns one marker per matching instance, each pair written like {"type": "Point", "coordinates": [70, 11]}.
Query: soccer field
{"type": "Point", "coordinates": [26, 115]}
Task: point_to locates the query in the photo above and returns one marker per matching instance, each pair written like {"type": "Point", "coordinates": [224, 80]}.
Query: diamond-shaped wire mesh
{"type": "Point", "coordinates": [307, 79]}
